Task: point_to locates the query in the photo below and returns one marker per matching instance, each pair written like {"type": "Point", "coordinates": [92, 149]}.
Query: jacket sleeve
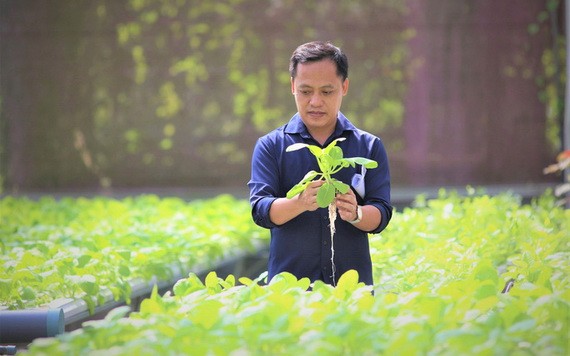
{"type": "Point", "coordinates": [264, 182]}
{"type": "Point", "coordinates": [377, 182]}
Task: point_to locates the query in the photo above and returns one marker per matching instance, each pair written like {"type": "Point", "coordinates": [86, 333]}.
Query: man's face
{"type": "Point", "coordinates": [318, 94]}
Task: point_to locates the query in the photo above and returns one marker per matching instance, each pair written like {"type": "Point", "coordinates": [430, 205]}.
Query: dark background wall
{"type": "Point", "coordinates": [175, 92]}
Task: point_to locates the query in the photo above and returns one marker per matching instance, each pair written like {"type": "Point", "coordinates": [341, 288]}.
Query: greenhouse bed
{"type": "Point", "coordinates": [76, 311]}
{"type": "Point", "coordinates": [440, 270]}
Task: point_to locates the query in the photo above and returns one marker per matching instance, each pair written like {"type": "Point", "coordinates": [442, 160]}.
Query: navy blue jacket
{"type": "Point", "coordinates": [302, 245]}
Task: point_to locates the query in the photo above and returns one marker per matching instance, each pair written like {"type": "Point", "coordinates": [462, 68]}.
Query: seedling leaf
{"type": "Point", "coordinates": [300, 187]}
{"type": "Point", "coordinates": [340, 186]}
{"type": "Point", "coordinates": [297, 189]}
{"type": "Point", "coordinates": [325, 195]}
{"type": "Point", "coordinates": [368, 163]}
{"type": "Point", "coordinates": [315, 150]}
{"type": "Point", "coordinates": [336, 153]}
{"type": "Point", "coordinates": [333, 144]}
{"type": "Point", "coordinates": [295, 147]}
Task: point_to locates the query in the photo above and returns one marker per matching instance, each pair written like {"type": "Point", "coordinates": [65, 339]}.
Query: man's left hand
{"type": "Point", "coordinates": [347, 205]}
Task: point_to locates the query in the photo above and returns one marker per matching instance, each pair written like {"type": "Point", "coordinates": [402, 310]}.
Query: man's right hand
{"type": "Point", "coordinates": [282, 210]}
{"type": "Point", "coordinates": [308, 197]}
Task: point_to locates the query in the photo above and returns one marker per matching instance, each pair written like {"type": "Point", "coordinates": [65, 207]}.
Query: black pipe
{"type": "Point", "coordinates": [23, 326]}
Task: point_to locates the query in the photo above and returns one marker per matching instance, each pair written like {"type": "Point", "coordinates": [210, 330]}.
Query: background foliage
{"type": "Point", "coordinates": [164, 92]}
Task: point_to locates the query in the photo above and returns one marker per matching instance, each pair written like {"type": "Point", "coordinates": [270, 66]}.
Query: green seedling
{"type": "Point", "coordinates": [331, 160]}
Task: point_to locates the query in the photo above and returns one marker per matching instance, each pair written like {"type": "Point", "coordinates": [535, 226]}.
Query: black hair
{"type": "Point", "coordinates": [317, 51]}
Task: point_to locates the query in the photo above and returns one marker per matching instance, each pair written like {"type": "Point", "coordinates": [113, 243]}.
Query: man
{"type": "Point", "coordinates": [300, 235]}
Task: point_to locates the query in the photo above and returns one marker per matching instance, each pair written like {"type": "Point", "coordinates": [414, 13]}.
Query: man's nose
{"type": "Point", "coordinates": [316, 100]}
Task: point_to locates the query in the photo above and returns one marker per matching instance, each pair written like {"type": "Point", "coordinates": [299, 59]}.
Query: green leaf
{"type": "Point", "coordinates": [211, 280]}
{"type": "Point", "coordinates": [296, 146]}
{"type": "Point", "coordinates": [348, 281]}
{"type": "Point", "coordinates": [126, 254]}
{"type": "Point", "coordinates": [206, 313]}
{"type": "Point", "coordinates": [124, 270]}
{"type": "Point", "coordinates": [83, 260]}
{"type": "Point", "coordinates": [484, 291]}
{"type": "Point", "coordinates": [91, 304]}
{"type": "Point", "coordinates": [325, 194]}
{"type": "Point", "coordinates": [316, 150]}
{"type": "Point", "coordinates": [118, 313]}
{"type": "Point", "coordinates": [28, 294]}
{"type": "Point", "coordinates": [340, 186]}
{"type": "Point", "coordinates": [332, 145]}
{"type": "Point", "coordinates": [486, 271]}
{"type": "Point", "coordinates": [230, 281]}
{"type": "Point", "coordinates": [297, 189]}
{"type": "Point", "coordinates": [245, 281]}
{"type": "Point", "coordinates": [302, 185]}
{"type": "Point", "coordinates": [368, 163]}
{"type": "Point", "coordinates": [89, 284]}
{"type": "Point", "coordinates": [326, 163]}
{"type": "Point", "coordinates": [336, 154]}
{"type": "Point", "coordinates": [187, 285]}
{"type": "Point", "coordinates": [521, 326]}
{"type": "Point", "coordinates": [310, 176]}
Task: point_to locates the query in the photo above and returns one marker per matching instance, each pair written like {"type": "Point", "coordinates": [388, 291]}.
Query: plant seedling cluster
{"type": "Point", "coordinates": [330, 160]}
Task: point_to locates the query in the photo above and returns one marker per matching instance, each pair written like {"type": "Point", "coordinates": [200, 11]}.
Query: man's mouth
{"type": "Point", "coordinates": [317, 113]}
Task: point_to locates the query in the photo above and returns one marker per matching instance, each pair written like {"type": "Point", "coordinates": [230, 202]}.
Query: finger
{"type": "Point", "coordinates": [316, 183]}
{"type": "Point", "coordinates": [346, 199]}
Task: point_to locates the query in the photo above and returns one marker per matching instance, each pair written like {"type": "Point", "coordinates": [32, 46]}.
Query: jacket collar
{"type": "Point", "coordinates": [296, 126]}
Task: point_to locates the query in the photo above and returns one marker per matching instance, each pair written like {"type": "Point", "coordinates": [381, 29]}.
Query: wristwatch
{"type": "Point", "coordinates": [358, 215]}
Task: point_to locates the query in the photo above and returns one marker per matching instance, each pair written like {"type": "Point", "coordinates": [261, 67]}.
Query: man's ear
{"type": "Point", "coordinates": [345, 87]}
{"type": "Point", "coordinates": [293, 85]}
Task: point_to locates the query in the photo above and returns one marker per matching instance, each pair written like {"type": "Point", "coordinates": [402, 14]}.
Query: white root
{"type": "Point", "coordinates": [332, 219]}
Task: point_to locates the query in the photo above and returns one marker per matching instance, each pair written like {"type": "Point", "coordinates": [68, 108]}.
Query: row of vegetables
{"type": "Point", "coordinates": [81, 248]}
{"type": "Point", "coordinates": [441, 269]}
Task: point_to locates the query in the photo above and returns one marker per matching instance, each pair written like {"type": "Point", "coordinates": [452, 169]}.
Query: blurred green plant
{"type": "Point", "coordinates": [439, 271]}
{"type": "Point", "coordinates": [80, 248]}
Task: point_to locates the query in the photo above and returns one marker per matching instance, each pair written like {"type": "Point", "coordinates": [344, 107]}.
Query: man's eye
{"type": "Point", "coordinates": [305, 92]}
{"type": "Point", "coordinates": [327, 92]}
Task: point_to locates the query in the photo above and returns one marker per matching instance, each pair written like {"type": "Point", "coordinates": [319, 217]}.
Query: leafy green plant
{"type": "Point", "coordinates": [84, 248]}
{"type": "Point", "coordinates": [330, 160]}
{"type": "Point", "coordinates": [439, 271]}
